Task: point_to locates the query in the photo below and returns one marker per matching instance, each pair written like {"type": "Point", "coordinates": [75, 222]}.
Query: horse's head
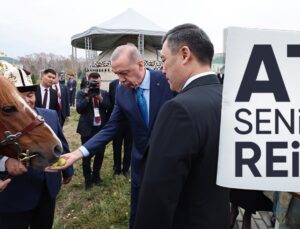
{"type": "Point", "coordinates": [30, 131]}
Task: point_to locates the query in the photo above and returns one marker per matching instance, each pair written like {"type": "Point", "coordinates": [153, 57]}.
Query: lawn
{"type": "Point", "coordinates": [105, 207]}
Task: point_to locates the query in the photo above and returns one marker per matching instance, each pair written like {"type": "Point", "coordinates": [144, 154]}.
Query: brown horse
{"type": "Point", "coordinates": [21, 129]}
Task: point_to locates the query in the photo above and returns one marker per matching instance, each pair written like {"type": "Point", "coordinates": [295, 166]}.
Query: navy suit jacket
{"type": "Point", "coordinates": [126, 109]}
{"type": "Point", "coordinates": [65, 112]}
{"type": "Point", "coordinates": [84, 82]}
{"type": "Point", "coordinates": [23, 193]}
{"type": "Point", "coordinates": [71, 85]}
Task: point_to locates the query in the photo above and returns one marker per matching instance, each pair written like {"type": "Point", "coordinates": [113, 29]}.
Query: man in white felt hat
{"type": "Point", "coordinates": [36, 208]}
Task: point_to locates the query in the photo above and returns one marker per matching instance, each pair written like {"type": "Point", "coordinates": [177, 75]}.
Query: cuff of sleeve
{"type": "Point", "coordinates": [2, 163]}
{"type": "Point", "coordinates": [84, 151]}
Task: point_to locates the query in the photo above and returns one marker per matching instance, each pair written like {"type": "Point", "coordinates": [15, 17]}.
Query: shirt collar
{"type": "Point", "coordinates": [146, 81]}
{"type": "Point", "coordinates": [43, 88]}
{"type": "Point", "coordinates": [191, 79]}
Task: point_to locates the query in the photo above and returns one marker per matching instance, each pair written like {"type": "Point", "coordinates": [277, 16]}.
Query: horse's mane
{"type": "Point", "coordinates": [8, 92]}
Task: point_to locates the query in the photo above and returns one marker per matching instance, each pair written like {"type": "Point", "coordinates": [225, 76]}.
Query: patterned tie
{"type": "Point", "coordinates": [142, 104]}
{"type": "Point", "coordinates": [59, 97]}
{"type": "Point", "coordinates": [45, 98]}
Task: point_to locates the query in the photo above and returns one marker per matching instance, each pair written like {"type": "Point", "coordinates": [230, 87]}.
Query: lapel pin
{"type": "Point", "coordinates": [157, 84]}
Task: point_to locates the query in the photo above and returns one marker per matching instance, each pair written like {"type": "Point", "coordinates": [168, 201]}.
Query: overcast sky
{"type": "Point", "coordinates": [35, 26]}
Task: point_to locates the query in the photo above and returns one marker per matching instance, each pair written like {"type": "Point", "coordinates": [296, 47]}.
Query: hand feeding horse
{"type": "Point", "coordinates": [23, 134]}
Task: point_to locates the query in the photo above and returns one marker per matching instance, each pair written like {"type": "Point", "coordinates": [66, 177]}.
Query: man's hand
{"type": "Point", "coordinates": [14, 167]}
{"type": "Point", "coordinates": [4, 183]}
{"type": "Point", "coordinates": [70, 158]}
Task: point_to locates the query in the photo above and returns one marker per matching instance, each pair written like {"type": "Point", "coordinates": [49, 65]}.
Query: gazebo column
{"type": "Point", "coordinates": [141, 44]}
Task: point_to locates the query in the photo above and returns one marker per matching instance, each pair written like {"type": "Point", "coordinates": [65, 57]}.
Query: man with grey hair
{"type": "Point", "coordinates": [138, 100]}
{"type": "Point", "coordinates": [179, 188]}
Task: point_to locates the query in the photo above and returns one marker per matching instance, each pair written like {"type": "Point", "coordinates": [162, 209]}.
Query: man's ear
{"type": "Point", "coordinates": [185, 53]}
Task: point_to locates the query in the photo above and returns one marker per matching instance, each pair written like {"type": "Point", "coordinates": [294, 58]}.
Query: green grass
{"type": "Point", "coordinates": [105, 207]}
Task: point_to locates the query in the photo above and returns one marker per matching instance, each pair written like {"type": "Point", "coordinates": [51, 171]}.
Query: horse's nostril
{"type": "Point", "coordinates": [57, 150]}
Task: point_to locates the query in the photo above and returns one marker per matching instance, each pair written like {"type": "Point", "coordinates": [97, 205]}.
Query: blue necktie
{"type": "Point", "coordinates": [142, 104]}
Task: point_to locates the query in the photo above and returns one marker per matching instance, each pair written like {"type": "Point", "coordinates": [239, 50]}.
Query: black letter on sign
{"type": "Point", "coordinates": [240, 161]}
{"type": "Point", "coordinates": [275, 84]}
{"type": "Point", "coordinates": [237, 116]}
{"type": "Point", "coordinates": [293, 50]}
{"type": "Point", "coordinates": [271, 159]}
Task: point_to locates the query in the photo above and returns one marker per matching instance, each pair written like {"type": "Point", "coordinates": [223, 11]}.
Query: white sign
{"type": "Point", "coordinates": [260, 123]}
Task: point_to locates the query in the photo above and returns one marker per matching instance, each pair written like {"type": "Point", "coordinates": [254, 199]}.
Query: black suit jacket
{"type": "Point", "coordinates": [86, 110]}
{"type": "Point", "coordinates": [179, 185]}
{"type": "Point", "coordinates": [84, 82]}
{"type": "Point", "coordinates": [53, 99]}
{"type": "Point", "coordinates": [65, 111]}
{"type": "Point", "coordinates": [112, 91]}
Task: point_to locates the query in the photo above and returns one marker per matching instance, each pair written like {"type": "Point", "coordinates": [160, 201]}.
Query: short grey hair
{"type": "Point", "coordinates": [128, 49]}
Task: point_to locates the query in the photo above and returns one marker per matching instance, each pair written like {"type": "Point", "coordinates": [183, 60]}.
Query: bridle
{"type": "Point", "coordinates": [9, 145]}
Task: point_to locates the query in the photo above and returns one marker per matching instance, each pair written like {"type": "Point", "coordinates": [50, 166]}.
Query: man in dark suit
{"type": "Point", "coordinates": [62, 99]}
{"type": "Point", "coordinates": [124, 134]}
{"type": "Point", "coordinates": [71, 85]}
{"type": "Point", "coordinates": [179, 184]}
{"type": "Point", "coordinates": [29, 200]}
{"type": "Point", "coordinates": [85, 80]}
{"type": "Point", "coordinates": [93, 105]}
{"type": "Point", "coordinates": [138, 100]}
{"type": "Point", "coordinates": [46, 97]}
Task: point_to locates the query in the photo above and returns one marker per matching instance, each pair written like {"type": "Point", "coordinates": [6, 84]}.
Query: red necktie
{"type": "Point", "coordinates": [59, 98]}
{"type": "Point", "coordinates": [96, 105]}
{"type": "Point", "coordinates": [45, 99]}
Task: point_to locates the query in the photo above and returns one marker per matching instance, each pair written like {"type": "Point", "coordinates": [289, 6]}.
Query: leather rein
{"type": "Point", "coordinates": [9, 145]}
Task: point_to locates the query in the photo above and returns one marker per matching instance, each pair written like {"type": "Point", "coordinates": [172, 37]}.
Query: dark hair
{"type": "Point", "coordinates": [193, 37]}
{"type": "Point", "coordinates": [49, 70]}
{"type": "Point", "coordinates": [94, 75]}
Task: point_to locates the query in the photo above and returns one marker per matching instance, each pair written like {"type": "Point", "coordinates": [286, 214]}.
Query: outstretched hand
{"type": "Point", "coordinates": [70, 159]}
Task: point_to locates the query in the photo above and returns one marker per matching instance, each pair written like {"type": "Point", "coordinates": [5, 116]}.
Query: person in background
{"type": "Point", "coordinates": [29, 199]}
{"type": "Point", "coordinates": [45, 96]}
{"type": "Point", "coordinates": [62, 99]}
{"type": "Point", "coordinates": [85, 80]}
{"type": "Point", "coordinates": [93, 105]}
{"type": "Point", "coordinates": [123, 137]}
{"type": "Point", "coordinates": [71, 85]}
{"type": "Point", "coordinates": [287, 210]}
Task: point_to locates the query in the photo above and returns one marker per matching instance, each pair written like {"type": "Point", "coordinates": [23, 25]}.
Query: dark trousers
{"type": "Point", "coordinates": [123, 135]}
{"type": "Point", "coordinates": [88, 174]}
{"type": "Point", "coordinates": [41, 217]}
{"type": "Point", "coordinates": [133, 203]}
{"type": "Point", "coordinates": [72, 97]}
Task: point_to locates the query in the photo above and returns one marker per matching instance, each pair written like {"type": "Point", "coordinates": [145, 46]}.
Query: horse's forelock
{"type": "Point", "coordinates": [8, 93]}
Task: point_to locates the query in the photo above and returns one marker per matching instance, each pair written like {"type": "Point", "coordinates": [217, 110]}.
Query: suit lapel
{"type": "Point", "coordinates": [38, 96]}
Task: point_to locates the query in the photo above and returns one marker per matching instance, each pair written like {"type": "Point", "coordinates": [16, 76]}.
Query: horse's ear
{"type": "Point", "coordinates": [8, 92]}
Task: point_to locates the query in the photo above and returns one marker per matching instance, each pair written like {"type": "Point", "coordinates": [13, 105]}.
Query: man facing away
{"type": "Point", "coordinates": [138, 100]}
{"type": "Point", "coordinates": [179, 188]}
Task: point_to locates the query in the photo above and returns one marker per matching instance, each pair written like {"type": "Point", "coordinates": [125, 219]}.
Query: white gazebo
{"type": "Point", "coordinates": [128, 27]}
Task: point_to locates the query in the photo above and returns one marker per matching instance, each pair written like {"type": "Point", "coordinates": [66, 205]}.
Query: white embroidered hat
{"type": "Point", "coordinates": [20, 79]}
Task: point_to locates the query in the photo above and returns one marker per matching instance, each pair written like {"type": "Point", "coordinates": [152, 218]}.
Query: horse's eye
{"type": "Point", "coordinates": [9, 109]}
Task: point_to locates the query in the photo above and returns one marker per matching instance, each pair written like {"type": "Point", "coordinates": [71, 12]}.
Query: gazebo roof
{"type": "Point", "coordinates": [127, 23]}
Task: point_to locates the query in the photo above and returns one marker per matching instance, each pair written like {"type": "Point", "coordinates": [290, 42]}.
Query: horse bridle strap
{"type": "Point", "coordinates": [10, 138]}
